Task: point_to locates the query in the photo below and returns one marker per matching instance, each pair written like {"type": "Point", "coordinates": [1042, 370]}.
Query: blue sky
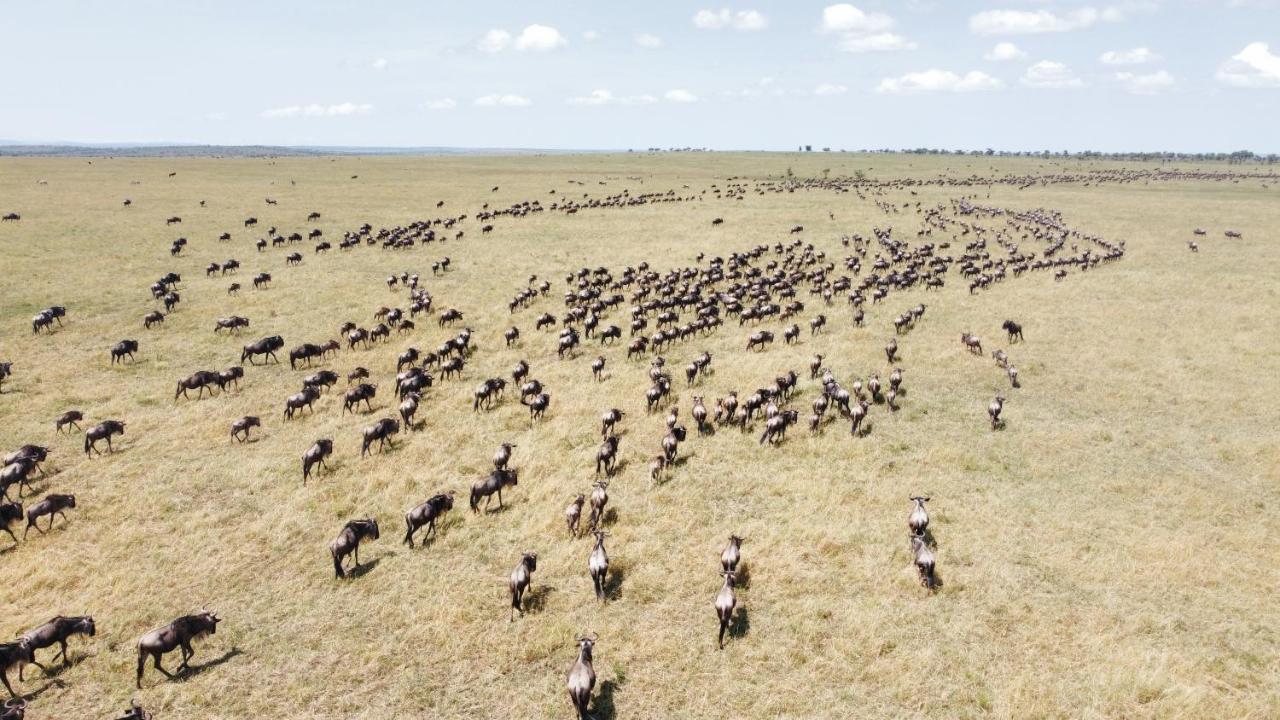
{"type": "Point", "coordinates": [1015, 74]}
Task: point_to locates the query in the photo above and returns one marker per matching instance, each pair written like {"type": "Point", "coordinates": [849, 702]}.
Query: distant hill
{"type": "Point", "coordinates": [13, 149]}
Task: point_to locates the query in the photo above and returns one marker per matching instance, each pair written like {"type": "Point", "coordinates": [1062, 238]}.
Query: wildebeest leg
{"type": "Point", "coordinates": [66, 661]}
{"type": "Point", "coordinates": [499, 496]}
{"type": "Point", "coordinates": [356, 555]}
{"type": "Point", "coordinates": [187, 652]}
{"type": "Point", "coordinates": [157, 664]}
{"type": "Point", "coordinates": [4, 677]}
{"type": "Point", "coordinates": [110, 449]}
{"type": "Point", "coordinates": [15, 537]}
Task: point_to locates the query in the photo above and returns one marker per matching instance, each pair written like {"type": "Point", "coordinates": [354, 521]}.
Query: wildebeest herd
{"type": "Point", "coordinates": [667, 311]}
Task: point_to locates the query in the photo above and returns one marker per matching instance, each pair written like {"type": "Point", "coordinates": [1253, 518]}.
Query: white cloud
{"type": "Point", "coordinates": [726, 18]}
{"type": "Point", "coordinates": [830, 89]}
{"type": "Point", "coordinates": [645, 40]}
{"type": "Point", "coordinates": [1004, 51]}
{"type": "Point", "coordinates": [1151, 84]}
{"type": "Point", "coordinates": [1254, 66]}
{"type": "Point", "coordinates": [379, 64]}
{"type": "Point", "coordinates": [938, 81]}
{"type": "Point", "coordinates": [591, 36]}
{"type": "Point", "coordinates": [861, 31]}
{"type": "Point", "coordinates": [604, 97]}
{"type": "Point", "coordinates": [317, 110]}
{"type": "Point", "coordinates": [1050, 74]}
{"type": "Point", "coordinates": [503, 101]}
{"type": "Point", "coordinates": [845, 18]}
{"type": "Point", "coordinates": [540, 38]}
{"type": "Point", "coordinates": [680, 95]}
{"type": "Point", "coordinates": [879, 42]}
{"type": "Point", "coordinates": [494, 41]}
{"type": "Point", "coordinates": [1028, 22]}
{"type": "Point", "coordinates": [1135, 56]}
{"type": "Point", "coordinates": [441, 104]}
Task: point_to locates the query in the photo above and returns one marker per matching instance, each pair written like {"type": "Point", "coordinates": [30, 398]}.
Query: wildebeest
{"type": "Point", "coordinates": [198, 380]}
{"type": "Point", "coordinates": [538, 405]}
{"type": "Point", "coordinates": [9, 514]}
{"type": "Point", "coordinates": [16, 472]}
{"type": "Point", "coordinates": [364, 392]}
{"type": "Point", "coordinates": [242, 426]}
{"type": "Point", "coordinates": [726, 601]}
{"type": "Point", "coordinates": [922, 557]}
{"type": "Point", "coordinates": [122, 348]}
{"type": "Point", "coordinates": [6, 369]}
{"type": "Point", "coordinates": [492, 484]}
{"type": "Point", "coordinates": [1014, 330]}
{"type": "Point", "coordinates": [997, 404]}
{"type": "Point", "coordinates": [427, 514]}
{"type": "Point", "coordinates": [732, 554]}
{"type": "Point", "coordinates": [348, 543]}
{"type": "Point", "coordinates": [759, 339]}
{"type": "Point", "coordinates": [266, 346]}
{"type": "Point", "coordinates": [519, 582]}
{"type": "Point", "coordinates": [305, 351]}
{"type": "Point", "coordinates": [572, 515]}
{"type": "Point", "coordinates": [155, 317]}
{"type": "Point", "coordinates": [314, 455]}
{"type": "Point", "coordinates": [51, 505]}
{"type": "Point", "coordinates": [775, 428]}
{"type": "Point", "coordinates": [14, 654]}
{"type": "Point", "coordinates": [599, 499]}
{"type": "Point", "coordinates": [232, 323]}
{"type": "Point", "coordinates": [607, 455]}
{"type": "Point", "coordinates": [581, 678]}
{"type": "Point", "coordinates": [409, 408]}
{"type": "Point", "coordinates": [102, 431]}
{"type": "Point", "coordinates": [56, 631]}
{"type": "Point", "coordinates": [381, 431]}
{"type": "Point", "coordinates": [178, 633]}
{"type": "Point", "coordinates": [598, 564]}
{"type": "Point", "coordinates": [918, 520]}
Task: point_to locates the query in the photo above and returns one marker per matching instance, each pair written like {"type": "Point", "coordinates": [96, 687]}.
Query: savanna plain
{"type": "Point", "coordinates": [1108, 552]}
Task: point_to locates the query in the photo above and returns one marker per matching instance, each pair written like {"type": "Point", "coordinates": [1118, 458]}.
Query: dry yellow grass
{"type": "Point", "coordinates": [1110, 554]}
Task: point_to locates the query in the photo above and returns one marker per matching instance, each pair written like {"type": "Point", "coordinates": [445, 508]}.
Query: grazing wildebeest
{"type": "Point", "coordinates": [381, 431]}
{"type": "Point", "coordinates": [68, 418]}
{"type": "Point", "coordinates": [122, 348]}
{"type": "Point", "coordinates": [14, 654]}
{"type": "Point", "coordinates": [266, 346]}
{"type": "Point", "coordinates": [492, 484]}
{"type": "Point", "coordinates": [57, 630]}
{"type": "Point", "coordinates": [1013, 328]}
{"type": "Point", "coordinates": [519, 581]}
{"type": "Point", "coordinates": [11, 217]}
{"type": "Point", "coordinates": [348, 543]}
{"type": "Point", "coordinates": [241, 427]}
{"type": "Point", "coordinates": [198, 380]}
{"type": "Point", "coordinates": [52, 504]}
{"type": "Point", "coordinates": [177, 634]}
{"type": "Point", "coordinates": [581, 678]}
{"type": "Point", "coordinates": [363, 392]}
{"type": "Point", "coordinates": [314, 455]}
{"type": "Point", "coordinates": [261, 279]}
{"type": "Point", "coordinates": [102, 431]}
{"type": "Point", "coordinates": [304, 399]}
{"type": "Point", "coordinates": [427, 514]}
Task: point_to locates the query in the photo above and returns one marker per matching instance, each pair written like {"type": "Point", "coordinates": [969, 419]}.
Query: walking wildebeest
{"type": "Point", "coordinates": [382, 431]}
{"type": "Point", "coordinates": [122, 348]}
{"type": "Point", "coordinates": [178, 633]}
{"type": "Point", "coordinates": [242, 426]}
{"type": "Point", "coordinates": [57, 630]}
{"type": "Point", "coordinates": [348, 543]}
{"type": "Point", "coordinates": [318, 451]}
{"type": "Point", "coordinates": [427, 514]}
{"type": "Point", "coordinates": [52, 504]}
{"type": "Point", "coordinates": [266, 346]}
{"type": "Point", "coordinates": [521, 578]}
{"type": "Point", "coordinates": [492, 484]}
{"type": "Point", "coordinates": [581, 678]}
{"type": "Point", "coordinates": [102, 431]}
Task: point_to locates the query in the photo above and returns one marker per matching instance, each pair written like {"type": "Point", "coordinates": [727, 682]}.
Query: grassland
{"type": "Point", "coordinates": [1111, 553]}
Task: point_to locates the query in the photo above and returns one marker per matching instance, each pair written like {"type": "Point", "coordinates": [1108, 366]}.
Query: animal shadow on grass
{"type": "Point", "coordinates": [603, 708]}
{"type": "Point", "coordinates": [194, 670]}
{"type": "Point", "coordinates": [34, 694]}
{"type": "Point", "coordinates": [742, 576]}
{"type": "Point", "coordinates": [363, 568]}
{"type": "Point", "coordinates": [740, 625]}
{"type": "Point", "coordinates": [927, 536]}
{"type": "Point", "coordinates": [535, 600]}
{"type": "Point", "coordinates": [609, 518]}
{"type": "Point", "coordinates": [613, 584]}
